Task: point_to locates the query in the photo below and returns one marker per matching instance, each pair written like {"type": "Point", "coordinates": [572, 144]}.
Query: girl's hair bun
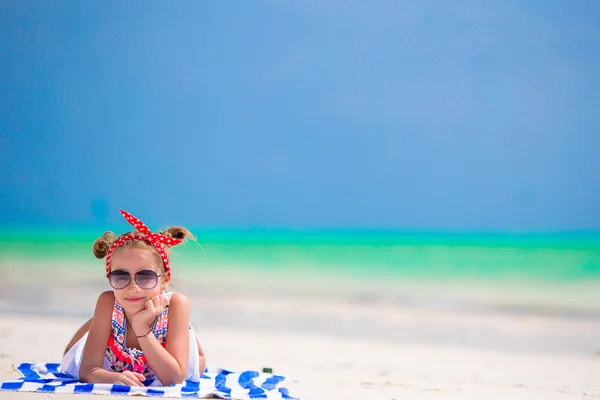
{"type": "Point", "coordinates": [178, 232]}
{"type": "Point", "coordinates": [102, 244]}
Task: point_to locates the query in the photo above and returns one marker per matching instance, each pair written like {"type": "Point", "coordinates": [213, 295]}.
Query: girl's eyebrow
{"type": "Point", "coordinates": [117, 268]}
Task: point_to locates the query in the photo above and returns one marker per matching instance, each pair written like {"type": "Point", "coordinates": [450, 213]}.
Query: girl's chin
{"type": "Point", "coordinates": [132, 308]}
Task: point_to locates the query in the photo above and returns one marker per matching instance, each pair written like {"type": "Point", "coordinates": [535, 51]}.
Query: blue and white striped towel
{"type": "Point", "coordinates": [46, 378]}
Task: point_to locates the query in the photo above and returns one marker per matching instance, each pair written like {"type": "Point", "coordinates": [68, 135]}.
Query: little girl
{"type": "Point", "coordinates": [126, 340]}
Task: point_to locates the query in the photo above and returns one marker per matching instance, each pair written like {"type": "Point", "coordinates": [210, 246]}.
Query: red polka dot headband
{"type": "Point", "coordinates": [155, 239]}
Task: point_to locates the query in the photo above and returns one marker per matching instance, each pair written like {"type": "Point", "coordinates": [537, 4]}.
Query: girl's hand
{"type": "Point", "coordinates": [129, 378]}
{"type": "Point", "coordinates": [142, 321]}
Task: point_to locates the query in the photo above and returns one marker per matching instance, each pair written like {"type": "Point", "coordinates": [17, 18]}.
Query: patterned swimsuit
{"type": "Point", "coordinates": [119, 356]}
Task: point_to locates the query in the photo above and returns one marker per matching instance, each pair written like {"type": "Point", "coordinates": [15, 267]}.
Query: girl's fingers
{"type": "Point", "coordinates": [150, 306]}
{"type": "Point", "coordinates": [133, 377]}
{"type": "Point", "coordinates": [160, 301]}
{"type": "Point", "coordinates": [130, 382]}
{"type": "Point", "coordinates": [137, 382]}
{"type": "Point", "coordinates": [141, 377]}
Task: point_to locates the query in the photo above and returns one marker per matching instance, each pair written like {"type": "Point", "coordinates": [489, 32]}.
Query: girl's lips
{"type": "Point", "coordinates": [135, 299]}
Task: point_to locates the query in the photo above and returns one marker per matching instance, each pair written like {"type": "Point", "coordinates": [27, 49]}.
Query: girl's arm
{"type": "Point", "coordinates": [169, 363]}
{"type": "Point", "coordinates": [95, 347]}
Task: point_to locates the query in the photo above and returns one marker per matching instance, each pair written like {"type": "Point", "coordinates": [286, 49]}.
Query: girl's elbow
{"type": "Point", "coordinates": [85, 373]}
{"type": "Point", "coordinates": [175, 379]}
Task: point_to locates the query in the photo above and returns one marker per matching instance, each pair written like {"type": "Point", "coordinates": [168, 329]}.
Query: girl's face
{"type": "Point", "coordinates": [135, 277]}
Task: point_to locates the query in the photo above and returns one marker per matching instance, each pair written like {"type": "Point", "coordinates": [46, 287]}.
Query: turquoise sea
{"type": "Point", "coordinates": [541, 256]}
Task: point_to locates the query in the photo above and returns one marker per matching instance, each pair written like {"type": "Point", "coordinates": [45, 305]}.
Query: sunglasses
{"type": "Point", "coordinates": [146, 279]}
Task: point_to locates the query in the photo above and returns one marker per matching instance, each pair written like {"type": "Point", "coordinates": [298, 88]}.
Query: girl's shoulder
{"type": "Point", "coordinates": [179, 300]}
{"type": "Point", "coordinates": [105, 304]}
{"type": "Point", "coordinates": [179, 308]}
{"type": "Point", "coordinates": [106, 297]}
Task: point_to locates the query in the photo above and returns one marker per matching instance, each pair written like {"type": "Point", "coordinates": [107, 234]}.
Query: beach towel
{"type": "Point", "coordinates": [47, 378]}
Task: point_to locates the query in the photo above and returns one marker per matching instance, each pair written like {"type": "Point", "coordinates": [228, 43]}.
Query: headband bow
{"type": "Point", "coordinates": [155, 239]}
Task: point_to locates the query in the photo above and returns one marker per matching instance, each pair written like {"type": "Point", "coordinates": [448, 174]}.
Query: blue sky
{"type": "Point", "coordinates": [470, 115]}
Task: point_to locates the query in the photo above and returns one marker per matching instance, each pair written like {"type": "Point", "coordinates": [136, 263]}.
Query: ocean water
{"type": "Point", "coordinates": [427, 287]}
{"type": "Point", "coordinates": [558, 257]}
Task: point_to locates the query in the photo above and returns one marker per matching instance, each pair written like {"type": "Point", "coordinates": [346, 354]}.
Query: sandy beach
{"type": "Point", "coordinates": [349, 339]}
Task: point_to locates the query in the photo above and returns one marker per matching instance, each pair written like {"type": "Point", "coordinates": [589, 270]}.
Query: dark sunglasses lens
{"type": "Point", "coordinates": [118, 279]}
{"type": "Point", "coordinates": [146, 279]}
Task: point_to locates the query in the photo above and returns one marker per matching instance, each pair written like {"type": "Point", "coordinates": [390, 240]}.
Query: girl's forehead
{"type": "Point", "coordinates": [132, 258]}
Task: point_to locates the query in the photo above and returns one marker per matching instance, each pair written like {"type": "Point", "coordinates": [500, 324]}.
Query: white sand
{"type": "Point", "coordinates": [342, 344]}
